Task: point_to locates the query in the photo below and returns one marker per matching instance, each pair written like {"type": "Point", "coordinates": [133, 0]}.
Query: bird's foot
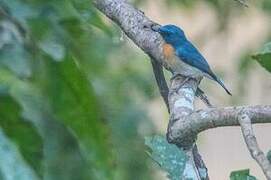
{"type": "Point", "coordinates": [151, 26]}
{"type": "Point", "coordinates": [182, 84]}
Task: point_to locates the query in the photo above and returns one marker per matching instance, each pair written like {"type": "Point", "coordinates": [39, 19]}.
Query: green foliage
{"type": "Point", "coordinates": [266, 5]}
{"type": "Point", "coordinates": [57, 92]}
{"type": "Point", "coordinates": [58, 155]}
{"type": "Point", "coordinates": [168, 156]}
{"type": "Point", "coordinates": [264, 57]}
{"type": "Point", "coordinates": [73, 102]}
{"type": "Point", "coordinates": [21, 132]}
{"type": "Point", "coordinates": [54, 104]}
{"type": "Point", "coordinates": [241, 175]}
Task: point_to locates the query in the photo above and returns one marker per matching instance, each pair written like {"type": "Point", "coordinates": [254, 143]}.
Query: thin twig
{"type": "Point", "coordinates": [203, 171]}
{"type": "Point", "coordinates": [242, 2]}
{"type": "Point", "coordinates": [200, 94]}
{"type": "Point", "coordinates": [253, 146]}
{"type": "Point", "coordinates": [161, 81]}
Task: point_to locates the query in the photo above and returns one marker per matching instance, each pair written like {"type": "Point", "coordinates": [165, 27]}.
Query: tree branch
{"type": "Point", "coordinates": [133, 23]}
{"type": "Point", "coordinates": [185, 123]}
{"type": "Point", "coordinates": [161, 81]}
{"type": "Point", "coordinates": [242, 2]}
{"type": "Point", "coordinates": [252, 145]}
{"type": "Point", "coordinates": [198, 121]}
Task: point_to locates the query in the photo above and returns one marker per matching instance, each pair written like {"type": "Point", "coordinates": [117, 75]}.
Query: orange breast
{"type": "Point", "coordinates": [168, 51]}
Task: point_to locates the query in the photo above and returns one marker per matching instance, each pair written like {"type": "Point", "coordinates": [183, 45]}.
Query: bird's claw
{"type": "Point", "coordinates": [182, 84]}
{"type": "Point", "coordinates": [152, 26]}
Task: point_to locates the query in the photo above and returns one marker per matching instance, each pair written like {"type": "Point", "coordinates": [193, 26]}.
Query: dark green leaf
{"type": "Point", "coordinates": [269, 156]}
{"type": "Point", "coordinates": [21, 132]}
{"type": "Point", "coordinates": [264, 57]}
{"type": "Point", "coordinates": [241, 175]}
{"type": "Point", "coordinates": [168, 156]}
{"type": "Point", "coordinates": [72, 99]}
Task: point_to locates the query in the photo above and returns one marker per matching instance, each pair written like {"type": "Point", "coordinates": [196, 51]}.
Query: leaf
{"type": "Point", "coordinates": [264, 57]}
{"type": "Point", "coordinates": [12, 165]}
{"type": "Point", "coordinates": [168, 156]}
{"type": "Point", "coordinates": [72, 98]}
{"type": "Point", "coordinates": [62, 156]}
{"type": "Point", "coordinates": [269, 156]}
{"type": "Point", "coordinates": [21, 132]}
{"type": "Point", "coordinates": [241, 175]}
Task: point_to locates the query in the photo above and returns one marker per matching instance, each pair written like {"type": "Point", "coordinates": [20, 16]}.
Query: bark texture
{"type": "Point", "coordinates": [252, 145]}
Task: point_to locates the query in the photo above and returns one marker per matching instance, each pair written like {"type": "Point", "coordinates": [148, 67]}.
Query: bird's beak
{"type": "Point", "coordinates": [155, 27]}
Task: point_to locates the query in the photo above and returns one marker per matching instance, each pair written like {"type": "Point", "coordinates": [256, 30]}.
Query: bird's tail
{"type": "Point", "coordinates": [214, 77]}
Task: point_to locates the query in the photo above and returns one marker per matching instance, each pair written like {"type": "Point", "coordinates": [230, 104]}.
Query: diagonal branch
{"type": "Point", "coordinates": [252, 145]}
{"type": "Point", "coordinates": [133, 23]}
{"type": "Point", "coordinates": [242, 2]}
{"type": "Point", "coordinates": [185, 123]}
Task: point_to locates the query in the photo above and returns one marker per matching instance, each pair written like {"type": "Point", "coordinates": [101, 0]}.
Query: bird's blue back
{"type": "Point", "coordinates": [188, 53]}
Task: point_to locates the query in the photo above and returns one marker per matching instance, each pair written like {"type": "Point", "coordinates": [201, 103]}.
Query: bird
{"type": "Point", "coordinates": [182, 57]}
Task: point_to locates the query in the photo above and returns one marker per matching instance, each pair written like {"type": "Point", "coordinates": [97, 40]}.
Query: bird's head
{"type": "Point", "coordinates": [171, 34]}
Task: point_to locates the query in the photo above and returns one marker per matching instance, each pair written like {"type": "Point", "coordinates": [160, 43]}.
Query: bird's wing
{"type": "Point", "coordinates": [190, 55]}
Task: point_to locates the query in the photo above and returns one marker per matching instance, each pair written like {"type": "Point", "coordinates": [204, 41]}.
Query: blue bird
{"type": "Point", "coordinates": [182, 57]}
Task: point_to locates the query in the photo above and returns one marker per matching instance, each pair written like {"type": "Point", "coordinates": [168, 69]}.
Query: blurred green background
{"type": "Point", "coordinates": [77, 97]}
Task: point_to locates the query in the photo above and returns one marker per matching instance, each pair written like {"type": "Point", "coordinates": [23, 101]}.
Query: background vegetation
{"type": "Point", "coordinates": [73, 93]}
